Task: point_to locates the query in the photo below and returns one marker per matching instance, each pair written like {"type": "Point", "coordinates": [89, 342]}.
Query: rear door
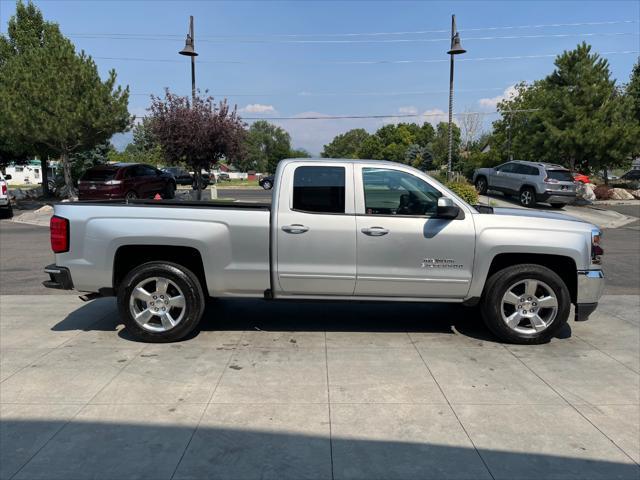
{"type": "Point", "coordinates": [315, 231]}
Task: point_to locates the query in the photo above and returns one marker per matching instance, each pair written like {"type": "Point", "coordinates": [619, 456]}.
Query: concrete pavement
{"type": "Point", "coordinates": [399, 391]}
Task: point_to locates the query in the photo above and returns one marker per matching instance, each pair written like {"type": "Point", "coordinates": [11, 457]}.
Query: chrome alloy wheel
{"type": "Point", "coordinates": [157, 304]}
{"type": "Point", "coordinates": [529, 306]}
{"type": "Point", "coordinates": [526, 197]}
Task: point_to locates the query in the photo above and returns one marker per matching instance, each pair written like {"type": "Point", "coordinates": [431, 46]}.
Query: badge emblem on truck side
{"type": "Point", "coordinates": [439, 263]}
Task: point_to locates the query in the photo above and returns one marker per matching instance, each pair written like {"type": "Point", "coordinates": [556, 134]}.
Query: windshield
{"type": "Point", "coordinates": [560, 175]}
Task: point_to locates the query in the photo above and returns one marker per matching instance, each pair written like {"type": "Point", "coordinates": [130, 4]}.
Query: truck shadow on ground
{"type": "Point", "coordinates": [117, 449]}
{"type": "Point", "coordinates": [307, 316]}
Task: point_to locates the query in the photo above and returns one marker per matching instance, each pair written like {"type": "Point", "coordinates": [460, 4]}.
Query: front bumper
{"type": "Point", "coordinates": [59, 278]}
{"type": "Point", "coordinates": [590, 287]}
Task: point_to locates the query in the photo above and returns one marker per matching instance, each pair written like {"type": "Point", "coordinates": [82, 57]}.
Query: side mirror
{"type": "Point", "coordinates": [446, 208]}
{"type": "Point", "coordinates": [7, 177]}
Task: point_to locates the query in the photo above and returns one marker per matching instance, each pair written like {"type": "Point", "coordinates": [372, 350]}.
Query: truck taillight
{"type": "Point", "coordinates": [596, 249]}
{"type": "Point", "coordinates": [59, 234]}
{"type": "Point", "coordinates": [4, 189]}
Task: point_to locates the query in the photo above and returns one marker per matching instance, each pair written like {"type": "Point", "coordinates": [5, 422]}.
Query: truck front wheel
{"type": "Point", "coordinates": [160, 302]}
{"type": "Point", "coordinates": [525, 304]}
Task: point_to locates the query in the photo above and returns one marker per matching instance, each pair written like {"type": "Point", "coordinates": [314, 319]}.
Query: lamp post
{"type": "Point", "coordinates": [189, 51]}
{"type": "Point", "coordinates": [456, 49]}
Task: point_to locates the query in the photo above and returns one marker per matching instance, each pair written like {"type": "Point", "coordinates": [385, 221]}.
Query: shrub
{"type": "Point", "coordinates": [465, 191]}
{"type": "Point", "coordinates": [602, 192]}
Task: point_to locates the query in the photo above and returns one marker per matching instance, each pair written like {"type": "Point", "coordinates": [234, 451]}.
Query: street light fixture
{"type": "Point", "coordinates": [456, 49]}
{"type": "Point", "coordinates": [189, 51]}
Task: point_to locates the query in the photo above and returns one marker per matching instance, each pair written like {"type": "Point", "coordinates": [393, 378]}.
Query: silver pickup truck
{"type": "Point", "coordinates": [335, 230]}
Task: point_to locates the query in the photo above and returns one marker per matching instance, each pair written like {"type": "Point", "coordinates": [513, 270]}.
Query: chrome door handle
{"type": "Point", "coordinates": [295, 228]}
{"type": "Point", "coordinates": [375, 231]}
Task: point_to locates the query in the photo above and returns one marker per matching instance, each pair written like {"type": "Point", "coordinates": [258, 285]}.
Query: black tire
{"type": "Point", "coordinates": [131, 195]}
{"type": "Point", "coordinates": [6, 212]}
{"type": "Point", "coordinates": [527, 197]}
{"type": "Point", "coordinates": [557, 205]}
{"type": "Point", "coordinates": [170, 191]}
{"type": "Point", "coordinates": [194, 300]}
{"type": "Point", "coordinates": [481, 185]}
{"type": "Point", "coordinates": [498, 284]}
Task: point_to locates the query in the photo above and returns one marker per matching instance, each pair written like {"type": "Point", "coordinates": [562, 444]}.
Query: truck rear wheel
{"type": "Point", "coordinates": [160, 302]}
{"type": "Point", "coordinates": [525, 304]}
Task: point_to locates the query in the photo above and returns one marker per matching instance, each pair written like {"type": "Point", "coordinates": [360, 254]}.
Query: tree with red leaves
{"type": "Point", "coordinates": [198, 133]}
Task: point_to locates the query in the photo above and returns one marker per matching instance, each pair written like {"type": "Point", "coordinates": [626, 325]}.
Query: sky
{"type": "Point", "coordinates": [278, 59]}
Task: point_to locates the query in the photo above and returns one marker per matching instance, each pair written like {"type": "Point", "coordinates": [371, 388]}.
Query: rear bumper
{"type": "Point", "coordinates": [59, 278]}
{"type": "Point", "coordinates": [590, 288]}
{"type": "Point", "coordinates": [556, 197]}
{"type": "Point", "coordinates": [4, 202]}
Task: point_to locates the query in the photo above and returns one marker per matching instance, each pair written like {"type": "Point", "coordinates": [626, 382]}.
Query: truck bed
{"type": "Point", "coordinates": [231, 238]}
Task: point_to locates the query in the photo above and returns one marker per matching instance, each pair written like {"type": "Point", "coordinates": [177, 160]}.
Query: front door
{"type": "Point", "coordinates": [403, 249]}
{"type": "Point", "coordinates": [315, 234]}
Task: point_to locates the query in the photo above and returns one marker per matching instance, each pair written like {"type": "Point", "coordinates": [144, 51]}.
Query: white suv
{"type": "Point", "coordinates": [531, 182]}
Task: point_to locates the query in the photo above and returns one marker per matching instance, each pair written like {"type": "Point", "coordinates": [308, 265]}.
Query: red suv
{"type": "Point", "coordinates": [125, 180]}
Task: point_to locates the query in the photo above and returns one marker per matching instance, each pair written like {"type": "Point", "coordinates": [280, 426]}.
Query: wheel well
{"type": "Point", "coordinates": [528, 186]}
{"type": "Point", "coordinates": [129, 257]}
{"type": "Point", "coordinates": [565, 267]}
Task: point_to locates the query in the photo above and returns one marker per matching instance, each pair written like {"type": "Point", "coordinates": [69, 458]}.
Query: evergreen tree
{"type": "Point", "coordinates": [576, 116]}
{"type": "Point", "coordinates": [52, 100]}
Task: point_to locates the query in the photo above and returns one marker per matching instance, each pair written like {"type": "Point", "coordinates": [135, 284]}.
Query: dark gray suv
{"type": "Point", "coordinates": [531, 182]}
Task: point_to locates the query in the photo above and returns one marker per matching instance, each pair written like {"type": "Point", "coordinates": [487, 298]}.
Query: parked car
{"type": "Point", "coordinates": [581, 177]}
{"type": "Point", "coordinates": [125, 180]}
{"type": "Point", "coordinates": [183, 177]}
{"type": "Point", "coordinates": [335, 231]}
{"type": "Point", "coordinates": [223, 177]}
{"type": "Point", "coordinates": [5, 202]}
{"type": "Point", "coordinates": [631, 175]}
{"type": "Point", "coordinates": [630, 179]}
{"type": "Point", "coordinates": [266, 182]}
{"type": "Point", "coordinates": [531, 182]}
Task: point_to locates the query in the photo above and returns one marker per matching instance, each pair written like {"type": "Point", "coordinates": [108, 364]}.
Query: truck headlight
{"type": "Point", "coordinates": [596, 249]}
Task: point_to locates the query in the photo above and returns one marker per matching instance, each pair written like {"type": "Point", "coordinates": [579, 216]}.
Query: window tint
{"type": "Point", "coordinates": [319, 189]}
{"type": "Point", "coordinates": [560, 175]}
{"type": "Point", "coordinates": [525, 169]}
{"type": "Point", "coordinates": [508, 168]}
{"type": "Point", "coordinates": [99, 174]}
{"type": "Point", "coordinates": [391, 192]}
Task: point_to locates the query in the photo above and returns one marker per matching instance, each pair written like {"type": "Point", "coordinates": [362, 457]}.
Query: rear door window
{"type": "Point", "coordinates": [319, 189]}
{"type": "Point", "coordinates": [560, 175]}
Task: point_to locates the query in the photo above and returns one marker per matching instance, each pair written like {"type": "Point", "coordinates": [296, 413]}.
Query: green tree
{"type": "Point", "coordinates": [52, 99]}
{"type": "Point", "coordinates": [143, 149]}
{"type": "Point", "coordinates": [440, 146]}
{"type": "Point", "coordinates": [299, 153]}
{"type": "Point", "coordinates": [346, 145]}
{"type": "Point", "coordinates": [266, 145]}
{"type": "Point", "coordinates": [576, 116]}
{"type": "Point", "coordinates": [633, 90]}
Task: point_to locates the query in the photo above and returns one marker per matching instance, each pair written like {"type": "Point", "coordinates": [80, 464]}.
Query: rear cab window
{"type": "Point", "coordinates": [319, 189]}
